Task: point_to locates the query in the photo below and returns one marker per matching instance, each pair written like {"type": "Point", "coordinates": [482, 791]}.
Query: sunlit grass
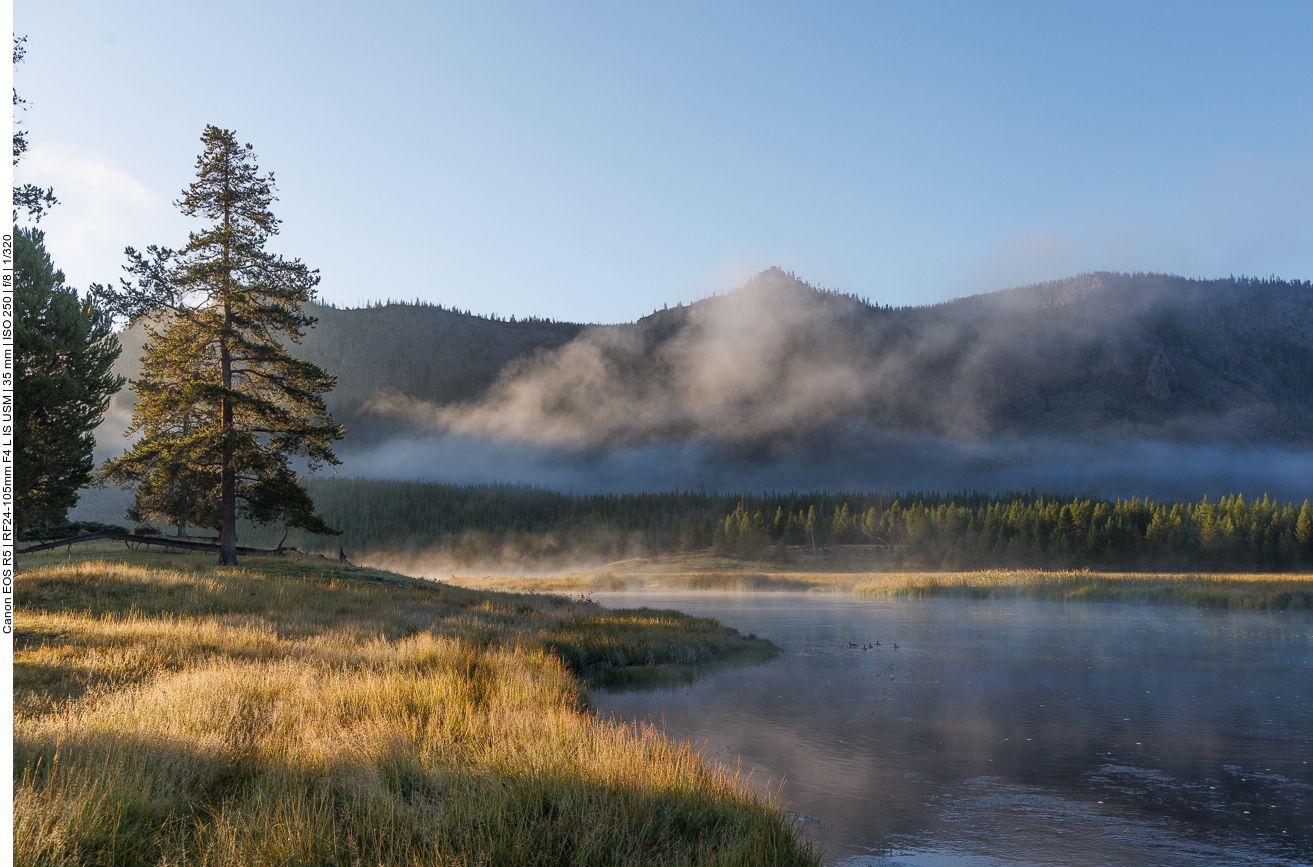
{"type": "Point", "coordinates": [301, 712]}
{"type": "Point", "coordinates": [1249, 591]}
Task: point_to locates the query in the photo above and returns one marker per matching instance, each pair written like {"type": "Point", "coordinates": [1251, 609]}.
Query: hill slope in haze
{"type": "Point", "coordinates": [1104, 355]}
{"type": "Point", "coordinates": [775, 362]}
{"type": "Point", "coordinates": [428, 353]}
{"type": "Point", "coordinates": [424, 351]}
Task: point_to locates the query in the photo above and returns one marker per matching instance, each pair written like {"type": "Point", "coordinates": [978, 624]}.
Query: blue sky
{"type": "Point", "coordinates": [593, 162]}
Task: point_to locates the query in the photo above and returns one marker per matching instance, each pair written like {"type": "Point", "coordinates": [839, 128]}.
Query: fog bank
{"type": "Point", "coordinates": [857, 460]}
{"type": "Point", "coordinates": [1100, 355]}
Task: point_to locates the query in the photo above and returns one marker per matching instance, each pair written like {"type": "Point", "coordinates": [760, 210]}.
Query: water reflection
{"type": "Point", "coordinates": [1012, 732]}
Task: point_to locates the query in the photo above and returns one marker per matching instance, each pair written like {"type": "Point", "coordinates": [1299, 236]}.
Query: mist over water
{"type": "Point", "coordinates": [1010, 732]}
{"type": "Point", "coordinates": [853, 459]}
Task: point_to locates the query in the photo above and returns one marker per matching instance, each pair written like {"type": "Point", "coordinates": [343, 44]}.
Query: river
{"type": "Point", "coordinates": [991, 733]}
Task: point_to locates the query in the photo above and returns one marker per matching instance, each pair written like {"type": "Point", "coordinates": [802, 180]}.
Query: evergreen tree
{"type": "Point", "coordinates": [223, 407]}
{"type": "Point", "coordinates": [1304, 531]}
{"type": "Point", "coordinates": [64, 351]}
{"type": "Point", "coordinates": [176, 475]}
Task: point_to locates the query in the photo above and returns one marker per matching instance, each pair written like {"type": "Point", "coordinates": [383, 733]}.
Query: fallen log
{"type": "Point", "coordinates": [162, 541]}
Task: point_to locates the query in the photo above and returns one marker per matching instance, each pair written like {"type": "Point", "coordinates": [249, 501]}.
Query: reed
{"type": "Point", "coordinates": [1241, 591]}
{"type": "Point", "coordinates": [169, 712]}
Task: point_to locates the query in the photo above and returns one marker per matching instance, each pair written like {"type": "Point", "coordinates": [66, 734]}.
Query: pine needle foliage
{"type": "Point", "coordinates": [222, 405]}
{"type": "Point", "coordinates": [64, 352]}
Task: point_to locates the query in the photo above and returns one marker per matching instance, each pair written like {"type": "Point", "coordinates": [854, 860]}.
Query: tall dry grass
{"type": "Point", "coordinates": [1243, 591]}
{"type": "Point", "coordinates": [320, 715]}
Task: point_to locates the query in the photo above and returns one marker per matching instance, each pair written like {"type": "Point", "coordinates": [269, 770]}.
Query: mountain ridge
{"type": "Point", "coordinates": [1100, 354]}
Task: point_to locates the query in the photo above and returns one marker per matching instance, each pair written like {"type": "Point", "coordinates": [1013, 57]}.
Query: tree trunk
{"type": "Point", "coordinates": [186, 489]}
{"type": "Point", "coordinates": [228, 492]}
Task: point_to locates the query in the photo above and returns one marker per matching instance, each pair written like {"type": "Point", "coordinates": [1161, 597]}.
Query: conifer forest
{"type": "Point", "coordinates": [917, 529]}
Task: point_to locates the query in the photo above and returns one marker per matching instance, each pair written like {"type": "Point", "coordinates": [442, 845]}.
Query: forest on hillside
{"type": "Point", "coordinates": [914, 529]}
{"type": "Point", "coordinates": [1118, 355]}
{"type": "Point", "coordinates": [1124, 356]}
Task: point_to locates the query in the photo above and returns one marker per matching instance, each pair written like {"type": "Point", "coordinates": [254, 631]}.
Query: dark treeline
{"type": "Point", "coordinates": [922, 529]}
{"type": "Point", "coordinates": [420, 302]}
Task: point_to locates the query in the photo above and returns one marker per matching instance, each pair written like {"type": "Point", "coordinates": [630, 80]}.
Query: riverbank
{"type": "Point", "coordinates": [1239, 590]}
{"type": "Point", "coordinates": [305, 712]}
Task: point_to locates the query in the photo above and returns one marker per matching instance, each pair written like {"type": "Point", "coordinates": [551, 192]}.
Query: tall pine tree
{"type": "Point", "coordinates": [222, 406]}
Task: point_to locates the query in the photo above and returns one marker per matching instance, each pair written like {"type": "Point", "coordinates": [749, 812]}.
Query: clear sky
{"type": "Point", "coordinates": [595, 161]}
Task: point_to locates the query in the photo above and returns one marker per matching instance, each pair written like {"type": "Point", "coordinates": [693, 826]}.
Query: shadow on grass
{"type": "Point", "coordinates": [662, 678]}
{"type": "Point", "coordinates": [648, 637]}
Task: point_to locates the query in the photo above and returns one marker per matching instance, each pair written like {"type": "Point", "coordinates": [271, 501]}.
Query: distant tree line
{"type": "Point", "coordinates": [420, 302]}
{"type": "Point", "coordinates": [921, 529]}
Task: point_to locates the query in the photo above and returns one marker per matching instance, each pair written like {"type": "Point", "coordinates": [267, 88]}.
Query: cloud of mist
{"type": "Point", "coordinates": [767, 361]}
{"type": "Point", "coordinates": [854, 459]}
{"type": "Point", "coordinates": [742, 366]}
{"type": "Point", "coordinates": [780, 387]}
{"type": "Point", "coordinates": [476, 555]}
{"type": "Point", "coordinates": [771, 365]}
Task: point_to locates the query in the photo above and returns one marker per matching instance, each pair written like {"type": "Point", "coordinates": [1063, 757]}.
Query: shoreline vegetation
{"type": "Point", "coordinates": [844, 574]}
{"type": "Point", "coordinates": [297, 712]}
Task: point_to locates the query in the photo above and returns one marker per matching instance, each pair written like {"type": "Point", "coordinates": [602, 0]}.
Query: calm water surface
{"type": "Point", "coordinates": [1008, 733]}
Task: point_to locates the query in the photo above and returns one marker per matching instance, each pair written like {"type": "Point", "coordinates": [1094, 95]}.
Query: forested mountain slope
{"type": "Point", "coordinates": [426, 351]}
{"type": "Point", "coordinates": [777, 361]}
{"type": "Point", "coordinates": [1141, 353]}
{"type": "Point", "coordinates": [1099, 355]}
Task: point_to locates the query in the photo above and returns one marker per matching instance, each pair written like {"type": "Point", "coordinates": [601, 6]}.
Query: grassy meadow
{"type": "Point", "coordinates": [848, 569]}
{"type": "Point", "coordinates": [301, 712]}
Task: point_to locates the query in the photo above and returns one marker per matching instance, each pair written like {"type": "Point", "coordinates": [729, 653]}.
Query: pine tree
{"type": "Point", "coordinates": [175, 473]}
{"type": "Point", "coordinates": [64, 351]}
{"type": "Point", "coordinates": [1304, 531]}
{"type": "Point", "coordinates": [223, 407]}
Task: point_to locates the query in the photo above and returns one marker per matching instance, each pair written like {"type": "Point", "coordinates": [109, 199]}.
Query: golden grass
{"type": "Point", "coordinates": [1240, 590]}
{"type": "Point", "coordinates": [169, 712]}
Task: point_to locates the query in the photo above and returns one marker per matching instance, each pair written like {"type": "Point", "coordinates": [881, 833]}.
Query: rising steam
{"type": "Point", "coordinates": [777, 363]}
